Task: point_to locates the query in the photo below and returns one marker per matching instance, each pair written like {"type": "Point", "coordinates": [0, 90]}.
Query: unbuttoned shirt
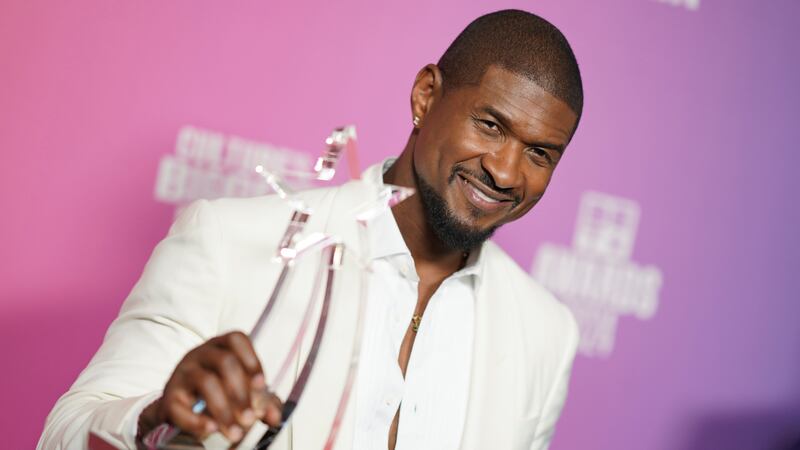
{"type": "Point", "coordinates": [433, 396]}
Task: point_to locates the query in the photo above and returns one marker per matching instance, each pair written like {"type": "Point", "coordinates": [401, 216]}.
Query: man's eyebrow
{"type": "Point", "coordinates": [505, 121]}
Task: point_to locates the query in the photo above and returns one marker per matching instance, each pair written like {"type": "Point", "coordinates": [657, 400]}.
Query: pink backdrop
{"type": "Point", "coordinates": [689, 112]}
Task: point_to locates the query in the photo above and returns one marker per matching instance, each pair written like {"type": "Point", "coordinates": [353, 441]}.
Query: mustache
{"type": "Point", "coordinates": [486, 179]}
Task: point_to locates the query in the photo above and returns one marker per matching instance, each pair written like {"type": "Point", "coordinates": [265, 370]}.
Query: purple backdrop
{"type": "Point", "coordinates": [689, 112]}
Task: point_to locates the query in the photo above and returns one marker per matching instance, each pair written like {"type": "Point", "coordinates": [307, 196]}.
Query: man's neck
{"type": "Point", "coordinates": [430, 254]}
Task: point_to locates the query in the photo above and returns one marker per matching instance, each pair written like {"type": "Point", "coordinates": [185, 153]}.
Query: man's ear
{"type": "Point", "coordinates": [426, 90]}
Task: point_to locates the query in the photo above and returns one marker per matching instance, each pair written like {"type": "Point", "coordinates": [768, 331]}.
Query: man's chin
{"type": "Point", "coordinates": [451, 230]}
{"type": "Point", "coordinates": [456, 235]}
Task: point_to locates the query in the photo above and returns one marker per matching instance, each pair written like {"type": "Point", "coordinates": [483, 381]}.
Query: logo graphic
{"type": "Point", "coordinates": [209, 165]}
{"type": "Point", "coordinates": [692, 5]}
{"type": "Point", "coordinates": [596, 278]}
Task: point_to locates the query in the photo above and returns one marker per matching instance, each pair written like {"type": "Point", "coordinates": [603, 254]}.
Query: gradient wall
{"type": "Point", "coordinates": [690, 111]}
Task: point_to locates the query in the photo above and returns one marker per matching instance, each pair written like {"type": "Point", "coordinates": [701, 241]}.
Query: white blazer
{"type": "Point", "coordinates": [213, 273]}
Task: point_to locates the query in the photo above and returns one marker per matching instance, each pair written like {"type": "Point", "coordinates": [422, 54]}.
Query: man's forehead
{"type": "Point", "coordinates": [521, 100]}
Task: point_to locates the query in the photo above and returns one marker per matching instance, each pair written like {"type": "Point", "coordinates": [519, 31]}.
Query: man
{"type": "Point", "coordinates": [461, 348]}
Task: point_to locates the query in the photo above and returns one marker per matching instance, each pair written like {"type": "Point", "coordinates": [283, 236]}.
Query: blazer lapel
{"type": "Point", "coordinates": [491, 397]}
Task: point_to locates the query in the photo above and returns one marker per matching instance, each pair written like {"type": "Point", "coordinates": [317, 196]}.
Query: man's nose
{"type": "Point", "coordinates": [504, 165]}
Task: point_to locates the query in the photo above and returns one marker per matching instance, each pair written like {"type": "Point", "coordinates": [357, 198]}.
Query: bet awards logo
{"type": "Point", "coordinates": [692, 5]}
{"type": "Point", "coordinates": [596, 278]}
{"type": "Point", "coordinates": [209, 165]}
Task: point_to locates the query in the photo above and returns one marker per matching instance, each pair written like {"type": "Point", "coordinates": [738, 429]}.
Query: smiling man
{"type": "Point", "coordinates": [491, 122]}
{"type": "Point", "coordinates": [461, 348]}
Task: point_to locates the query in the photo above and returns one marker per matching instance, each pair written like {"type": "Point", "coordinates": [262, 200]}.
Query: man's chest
{"type": "Point", "coordinates": [431, 397]}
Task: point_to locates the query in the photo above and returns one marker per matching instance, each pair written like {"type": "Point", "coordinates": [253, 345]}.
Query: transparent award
{"type": "Point", "coordinates": [297, 311]}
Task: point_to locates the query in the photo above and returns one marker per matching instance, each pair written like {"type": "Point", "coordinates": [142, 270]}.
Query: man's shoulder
{"type": "Point", "coordinates": [499, 262]}
{"type": "Point", "coordinates": [532, 300]}
{"type": "Point", "coordinates": [266, 206]}
{"type": "Point", "coordinates": [251, 222]}
{"type": "Point", "coordinates": [318, 197]}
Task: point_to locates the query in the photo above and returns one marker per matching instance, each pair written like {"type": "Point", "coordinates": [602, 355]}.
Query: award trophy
{"type": "Point", "coordinates": [297, 244]}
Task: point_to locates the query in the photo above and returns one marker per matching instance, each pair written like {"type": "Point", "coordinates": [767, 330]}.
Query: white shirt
{"type": "Point", "coordinates": [199, 283]}
{"type": "Point", "coordinates": [433, 396]}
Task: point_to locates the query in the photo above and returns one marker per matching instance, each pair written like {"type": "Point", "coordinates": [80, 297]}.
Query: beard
{"type": "Point", "coordinates": [454, 234]}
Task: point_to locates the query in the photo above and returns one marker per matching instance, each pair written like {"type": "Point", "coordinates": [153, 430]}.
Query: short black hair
{"type": "Point", "coordinates": [520, 42]}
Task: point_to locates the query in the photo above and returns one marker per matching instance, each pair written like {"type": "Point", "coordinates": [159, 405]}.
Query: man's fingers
{"type": "Point", "coordinates": [232, 374]}
{"type": "Point", "coordinates": [236, 382]}
{"type": "Point", "coordinates": [274, 414]}
{"type": "Point", "coordinates": [240, 345]}
{"type": "Point", "coordinates": [180, 414]}
{"type": "Point", "coordinates": [268, 407]}
{"type": "Point", "coordinates": [226, 373]}
{"type": "Point", "coordinates": [210, 388]}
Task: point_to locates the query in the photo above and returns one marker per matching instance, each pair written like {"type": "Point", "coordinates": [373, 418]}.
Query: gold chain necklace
{"type": "Point", "coordinates": [417, 318]}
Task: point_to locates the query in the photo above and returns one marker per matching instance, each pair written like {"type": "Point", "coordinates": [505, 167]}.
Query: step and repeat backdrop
{"type": "Point", "coordinates": [670, 227]}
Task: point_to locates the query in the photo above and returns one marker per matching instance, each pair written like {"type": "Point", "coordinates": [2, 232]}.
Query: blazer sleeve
{"type": "Point", "coordinates": [554, 402]}
{"type": "Point", "coordinates": [174, 307]}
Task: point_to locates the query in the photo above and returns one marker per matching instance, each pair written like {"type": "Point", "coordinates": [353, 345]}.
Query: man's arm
{"type": "Point", "coordinates": [558, 393]}
{"type": "Point", "coordinates": [173, 308]}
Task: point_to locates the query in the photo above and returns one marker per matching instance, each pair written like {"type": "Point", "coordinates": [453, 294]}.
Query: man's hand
{"type": "Point", "coordinates": [226, 373]}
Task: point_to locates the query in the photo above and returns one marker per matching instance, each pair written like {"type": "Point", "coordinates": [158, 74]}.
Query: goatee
{"type": "Point", "coordinates": [453, 234]}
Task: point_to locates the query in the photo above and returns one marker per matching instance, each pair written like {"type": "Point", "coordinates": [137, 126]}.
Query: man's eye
{"type": "Point", "coordinates": [489, 124]}
{"type": "Point", "coordinates": [540, 154]}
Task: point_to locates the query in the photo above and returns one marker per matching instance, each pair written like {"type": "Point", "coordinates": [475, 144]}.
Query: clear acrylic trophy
{"type": "Point", "coordinates": [294, 246]}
